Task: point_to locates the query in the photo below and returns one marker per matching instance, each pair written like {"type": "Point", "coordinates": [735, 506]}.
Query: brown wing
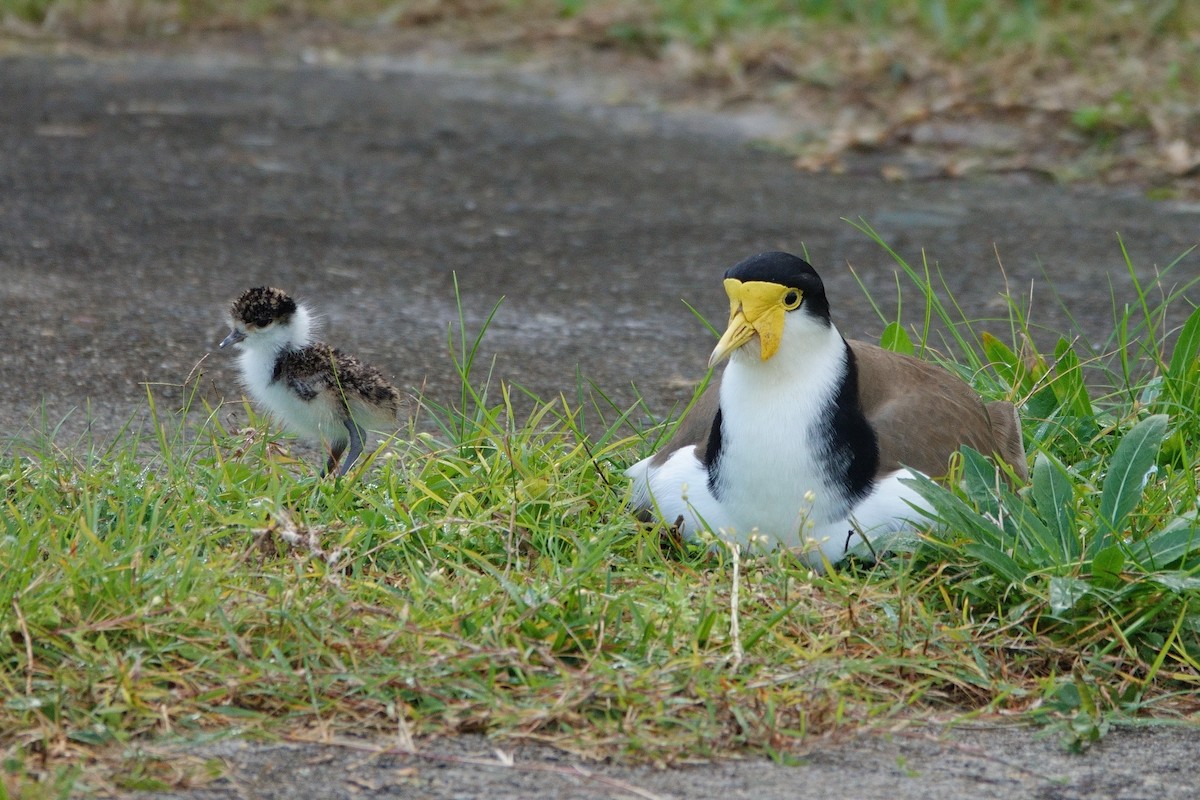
{"type": "Point", "coordinates": [1010, 445]}
{"type": "Point", "coordinates": [319, 370]}
{"type": "Point", "coordinates": [366, 383]}
{"type": "Point", "coordinates": [922, 414]}
{"type": "Point", "coordinates": [696, 424]}
{"type": "Point", "coordinates": [305, 371]}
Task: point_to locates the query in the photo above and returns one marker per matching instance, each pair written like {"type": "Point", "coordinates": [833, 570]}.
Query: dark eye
{"type": "Point", "coordinates": [791, 300]}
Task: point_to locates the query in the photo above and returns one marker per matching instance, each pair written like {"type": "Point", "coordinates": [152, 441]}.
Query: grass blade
{"type": "Point", "coordinates": [1183, 373]}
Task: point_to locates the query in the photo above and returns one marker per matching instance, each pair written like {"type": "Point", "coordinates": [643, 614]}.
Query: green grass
{"type": "Point", "coordinates": [485, 577]}
{"type": "Point", "coordinates": [954, 27]}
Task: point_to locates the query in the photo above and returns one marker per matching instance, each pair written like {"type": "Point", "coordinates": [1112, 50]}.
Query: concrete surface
{"type": "Point", "coordinates": [139, 194]}
{"type": "Point", "coordinates": [980, 763]}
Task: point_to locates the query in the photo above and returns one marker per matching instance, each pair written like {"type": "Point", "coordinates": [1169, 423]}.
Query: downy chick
{"type": "Point", "coordinates": [311, 389]}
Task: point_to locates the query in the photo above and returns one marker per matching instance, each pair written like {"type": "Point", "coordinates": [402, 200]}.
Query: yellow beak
{"type": "Point", "coordinates": [755, 308]}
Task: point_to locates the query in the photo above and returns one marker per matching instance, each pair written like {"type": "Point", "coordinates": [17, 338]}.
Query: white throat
{"type": "Point", "coordinates": [300, 329]}
{"type": "Point", "coordinates": [261, 349]}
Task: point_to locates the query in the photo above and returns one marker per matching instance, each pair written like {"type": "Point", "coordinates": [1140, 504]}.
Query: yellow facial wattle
{"type": "Point", "coordinates": [755, 308]}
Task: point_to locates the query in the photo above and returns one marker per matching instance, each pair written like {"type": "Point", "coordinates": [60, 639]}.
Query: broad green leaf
{"type": "Point", "coordinates": [1042, 404]}
{"type": "Point", "coordinates": [1165, 547]}
{"type": "Point", "coordinates": [1107, 565]}
{"type": "Point", "coordinates": [998, 562]}
{"type": "Point", "coordinates": [1036, 544]}
{"type": "Point", "coordinates": [1151, 391]}
{"type": "Point", "coordinates": [1129, 470]}
{"type": "Point", "coordinates": [102, 736]}
{"type": "Point", "coordinates": [957, 514]}
{"type": "Point", "coordinates": [1003, 360]}
{"type": "Point", "coordinates": [897, 339]}
{"type": "Point", "coordinates": [893, 542]}
{"type": "Point", "coordinates": [1175, 449]}
{"type": "Point", "coordinates": [1014, 520]}
{"type": "Point", "coordinates": [1177, 581]}
{"type": "Point", "coordinates": [1066, 592]}
{"type": "Point", "coordinates": [1055, 499]}
{"type": "Point", "coordinates": [982, 480]}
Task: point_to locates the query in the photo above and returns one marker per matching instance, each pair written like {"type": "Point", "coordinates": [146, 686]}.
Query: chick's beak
{"type": "Point", "coordinates": [234, 337]}
{"type": "Point", "coordinates": [754, 309]}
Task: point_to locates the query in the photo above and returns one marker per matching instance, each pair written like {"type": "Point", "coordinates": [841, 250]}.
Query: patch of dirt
{"type": "Point", "coordinates": [982, 761]}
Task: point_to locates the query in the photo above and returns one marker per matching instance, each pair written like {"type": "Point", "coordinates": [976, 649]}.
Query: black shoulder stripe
{"type": "Point", "coordinates": [853, 444]}
{"type": "Point", "coordinates": [712, 454]}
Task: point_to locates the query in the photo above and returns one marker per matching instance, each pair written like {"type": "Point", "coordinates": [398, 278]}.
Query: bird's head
{"type": "Point", "coordinates": [764, 291]}
{"type": "Point", "coordinates": [267, 315]}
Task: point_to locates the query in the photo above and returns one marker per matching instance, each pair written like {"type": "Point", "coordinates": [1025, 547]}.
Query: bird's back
{"type": "Point", "coordinates": [923, 414]}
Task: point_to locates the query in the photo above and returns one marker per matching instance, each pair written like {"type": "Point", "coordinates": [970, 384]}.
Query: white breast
{"type": "Point", "coordinates": [772, 464]}
{"type": "Point", "coordinates": [317, 420]}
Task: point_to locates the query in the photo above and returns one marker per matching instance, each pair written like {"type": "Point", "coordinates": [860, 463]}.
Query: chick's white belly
{"type": "Point", "coordinates": [315, 419]}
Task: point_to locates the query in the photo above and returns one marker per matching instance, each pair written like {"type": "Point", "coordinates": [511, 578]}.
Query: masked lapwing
{"type": "Point", "coordinates": [806, 439]}
{"type": "Point", "coordinates": [311, 389]}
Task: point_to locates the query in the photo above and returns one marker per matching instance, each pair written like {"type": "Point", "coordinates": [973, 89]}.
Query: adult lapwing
{"type": "Point", "coordinates": [807, 439]}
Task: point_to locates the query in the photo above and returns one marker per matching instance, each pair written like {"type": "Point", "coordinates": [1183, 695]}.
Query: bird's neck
{"type": "Point", "coordinates": [295, 335]}
{"type": "Point", "coordinates": [263, 352]}
{"type": "Point", "coordinates": [805, 377]}
{"type": "Point", "coordinates": [301, 328]}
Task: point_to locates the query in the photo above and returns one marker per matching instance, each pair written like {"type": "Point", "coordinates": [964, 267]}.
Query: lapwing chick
{"type": "Point", "coordinates": [806, 439]}
{"type": "Point", "coordinates": [311, 389]}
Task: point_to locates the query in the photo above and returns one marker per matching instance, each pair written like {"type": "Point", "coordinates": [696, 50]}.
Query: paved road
{"type": "Point", "coordinates": [989, 763]}
{"type": "Point", "coordinates": [139, 194]}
